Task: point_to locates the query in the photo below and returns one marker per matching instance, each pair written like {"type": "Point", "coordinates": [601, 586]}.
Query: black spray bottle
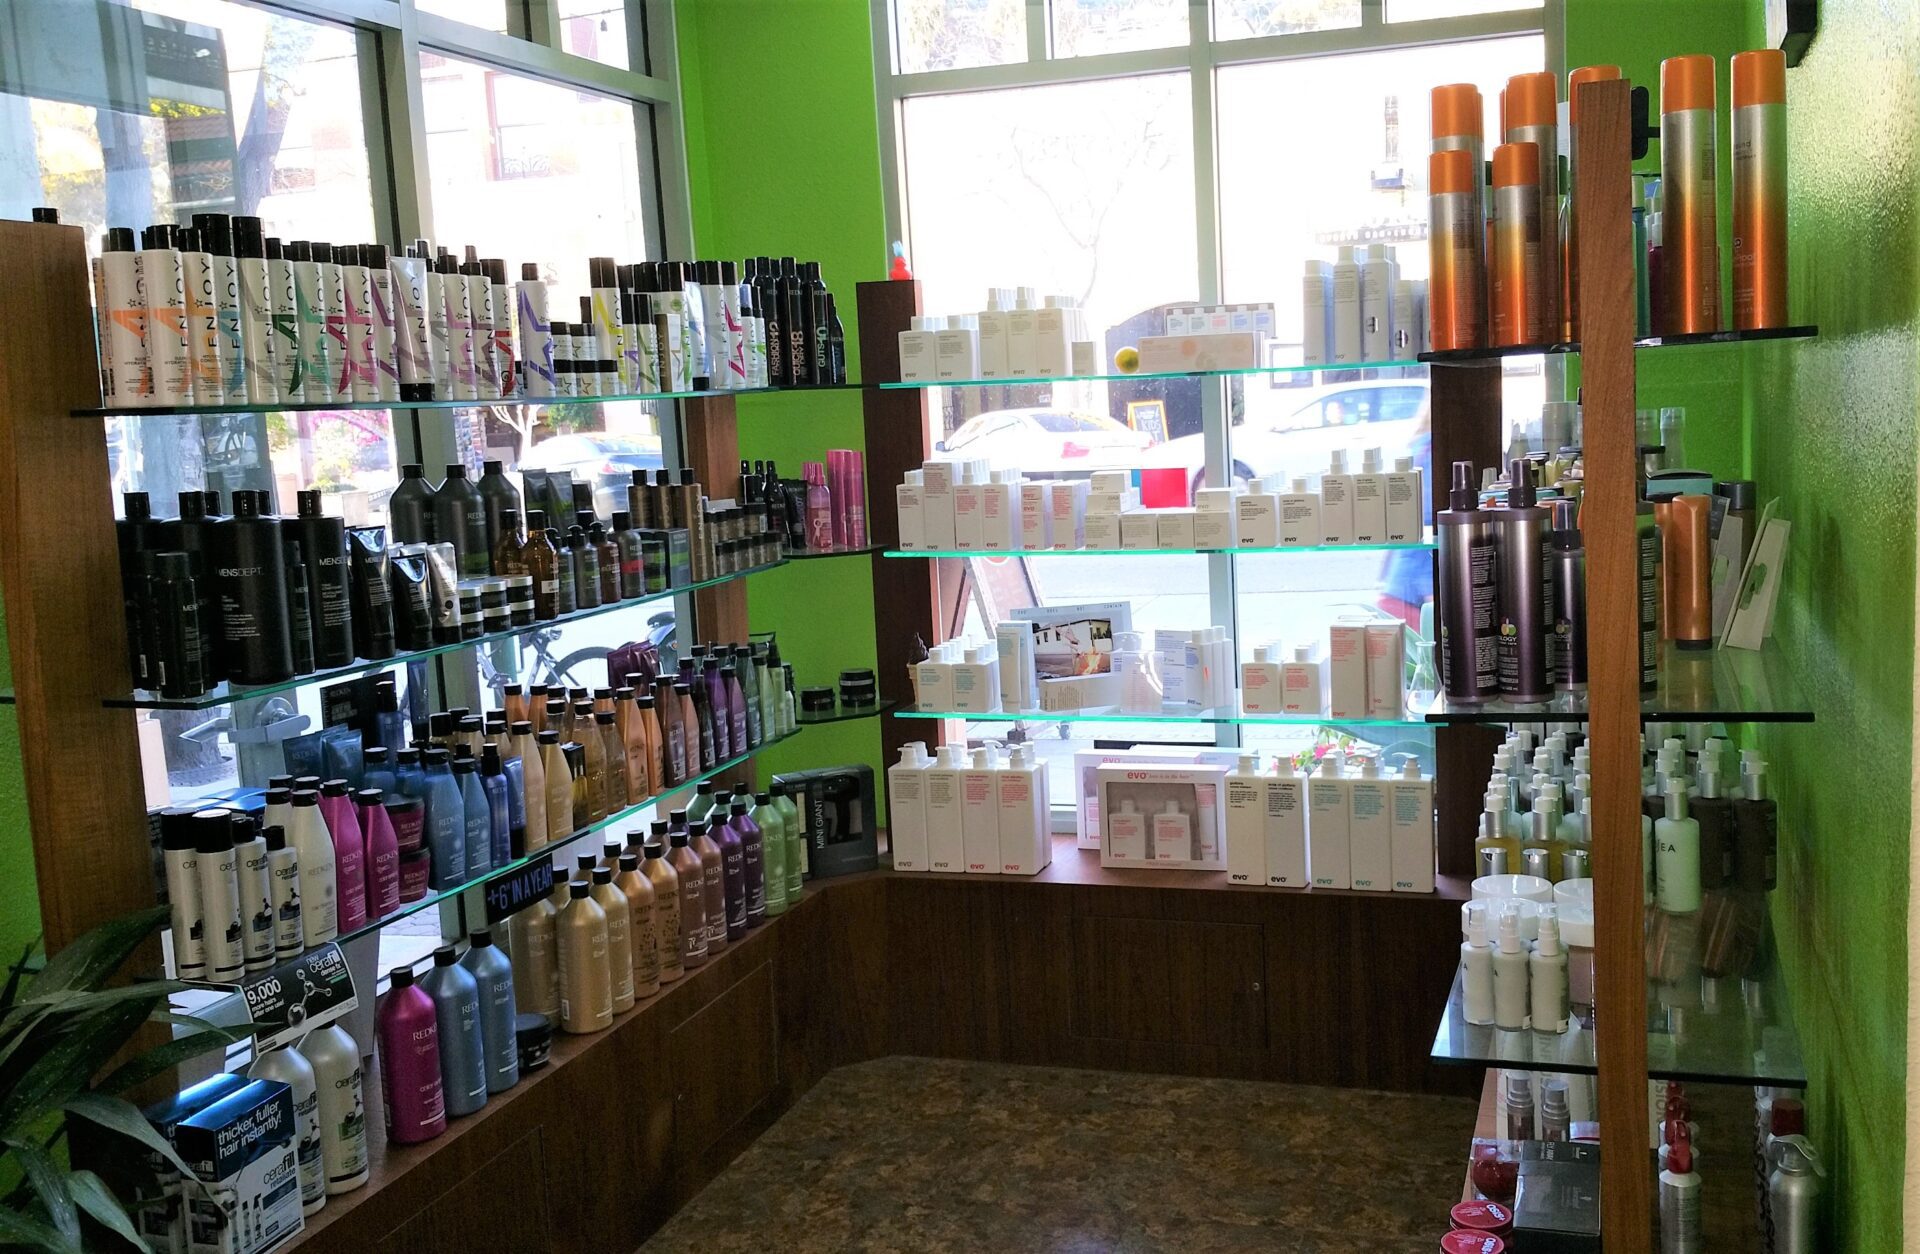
{"type": "Point", "coordinates": [136, 534]}
{"type": "Point", "coordinates": [250, 573]}
{"type": "Point", "coordinates": [192, 533]}
{"type": "Point", "coordinates": [793, 317]}
{"type": "Point", "coordinates": [1520, 531]}
{"type": "Point", "coordinates": [819, 335]}
{"type": "Point", "coordinates": [323, 545]}
{"type": "Point", "coordinates": [1468, 592]}
{"type": "Point", "coordinates": [299, 609]}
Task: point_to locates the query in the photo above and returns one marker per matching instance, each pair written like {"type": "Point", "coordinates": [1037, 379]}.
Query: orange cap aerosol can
{"type": "Point", "coordinates": [1690, 252]}
{"type": "Point", "coordinates": [1518, 300]}
{"type": "Point", "coordinates": [1456, 310]}
{"type": "Point", "coordinates": [1759, 189]}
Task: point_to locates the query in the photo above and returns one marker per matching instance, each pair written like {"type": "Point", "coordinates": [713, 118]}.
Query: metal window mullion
{"type": "Point", "coordinates": [520, 56]}
{"type": "Point", "coordinates": [1039, 31]}
{"type": "Point", "coordinates": [1377, 36]}
{"type": "Point", "coordinates": [1040, 73]}
{"type": "Point", "coordinates": [893, 168]}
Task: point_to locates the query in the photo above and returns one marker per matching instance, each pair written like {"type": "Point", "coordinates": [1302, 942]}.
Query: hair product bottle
{"type": "Point", "coordinates": [1518, 294]}
{"type": "Point", "coordinates": [1690, 256]}
{"type": "Point", "coordinates": [313, 850]}
{"type": "Point", "coordinates": [476, 816]}
{"type": "Point", "coordinates": [1759, 189]}
{"type": "Point", "coordinates": [1533, 117]}
{"type": "Point", "coordinates": [340, 1085]}
{"type": "Point", "coordinates": [667, 899]}
{"type": "Point", "coordinates": [250, 579]}
{"type": "Point", "coordinates": [691, 869]}
{"type": "Point", "coordinates": [287, 1066]}
{"type": "Point", "coordinates": [1456, 243]}
{"type": "Point", "coordinates": [586, 978]}
{"type": "Point", "coordinates": [1520, 533]}
{"type": "Point", "coordinates": [492, 974]}
{"type": "Point", "coordinates": [1570, 304]}
{"type": "Point", "coordinates": [612, 901]}
{"type": "Point", "coordinates": [535, 943]}
{"type": "Point", "coordinates": [463, 1055]}
{"type": "Point", "coordinates": [703, 841]}
{"type": "Point", "coordinates": [217, 867]}
{"type": "Point", "coordinates": [642, 920]}
{"type": "Point", "coordinates": [406, 1027]}
{"type": "Point", "coordinates": [179, 851]}
{"type": "Point", "coordinates": [254, 879]}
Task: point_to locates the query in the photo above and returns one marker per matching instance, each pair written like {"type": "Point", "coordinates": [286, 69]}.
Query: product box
{"type": "Point", "coordinates": [1086, 764]}
{"type": "Point", "coordinates": [1162, 354]}
{"type": "Point", "coordinates": [1139, 530]}
{"type": "Point", "coordinates": [160, 1210]}
{"type": "Point", "coordinates": [908, 502]}
{"type": "Point", "coordinates": [1174, 529]}
{"type": "Point", "coordinates": [1213, 528]}
{"type": "Point", "coordinates": [837, 818]}
{"type": "Point", "coordinates": [1036, 515]}
{"type": "Point", "coordinates": [1067, 694]}
{"type": "Point", "coordinates": [242, 1149]}
{"type": "Point", "coordinates": [1075, 639]}
{"type": "Point", "coordinates": [1068, 503]}
{"type": "Point", "coordinates": [1257, 521]}
{"type": "Point", "coordinates": [936, 505]}
{"type": "Point", "coordinates": [1556, 1208]}
{"type": "Point", "coordinates": [1347, 668]}
{"type": "Point", "coordinates": [1100, 530]}
{"type": "Point", "coordinates": [1751, 620]}
{"type": "Point", "coordinates": [1181, 823]}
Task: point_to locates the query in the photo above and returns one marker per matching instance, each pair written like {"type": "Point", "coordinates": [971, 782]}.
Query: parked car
{"type": "Point", "coordinates": [606, 461]}
{"type": "Point", "coordinates": [1046, 443]}
{"type": "Point", "coordinates": [1382, 413]}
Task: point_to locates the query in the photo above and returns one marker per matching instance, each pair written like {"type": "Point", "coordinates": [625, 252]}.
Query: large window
{"type": "Point", "coordinates": [310, 114]}
{"type": "Point", "coordinates": [1023, 160]}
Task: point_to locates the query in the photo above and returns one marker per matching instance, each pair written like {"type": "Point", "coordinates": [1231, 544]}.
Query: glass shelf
{"type": "Point", "coordinates": [1728, 1032]}
{"type": "Point", "coordinates": [435, 896]}
{"type": "Point", "coordinates": [1707, 686]}
{"type": "Point", "coordinates": [223, 693]}
{"type": "Point", "coordinates": [803, 555]}
{"type": "Point", "coordinates": [1167, 716]}
{"type": "Point", "coordinates": [175, 411]}
{"type": "Point", "coordinates": [1292, 548]}
{"type": "Point", "coordinates": [1468, 356]}
{"type": "Point", "coordinates": [842, 714]}
{"type": "Point", "coordinates": [1148, 374]}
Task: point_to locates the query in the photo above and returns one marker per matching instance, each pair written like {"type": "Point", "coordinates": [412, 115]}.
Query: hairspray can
{"type": "Point", "coordinates": [1533, 117]}
{"type": "Point", "coordinates": [1690, 256]}
{"type": "Point", "coordinates": [1759, 189]}
{"type": "Point", "coordinates": [1456, 311]}
{"type": "Point", "coordinates": [1517, 294]}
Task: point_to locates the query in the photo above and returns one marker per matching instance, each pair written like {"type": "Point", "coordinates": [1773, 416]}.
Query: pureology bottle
{"type": "Point", "coordinates": [410, 508]}
{"type": "Point", "coordinates": [376, 769]}
{"type": "Point", "coordinates": [407, 1028]}
{"type": "Point", "coordinates": [752, 861]}
{"type": "Point", "coordinates": [492, 972]}
{"type": "Point", "coordinates": [446, 821]}
{"type": "Point", "coordinates": [288, 1067]}
{"type": "Point", "coordinates": [251, 579]}
{"type": "Point", "coordinates": [323, 545]}
{"type": "Point", "coordinates": [340, 1085]}
{"type": "Point", "coordinates": [477, 817]}
{"type": "Point", "coordinates": [456, 1013]}
{"type": "Point", "coordinates": [460, 519]}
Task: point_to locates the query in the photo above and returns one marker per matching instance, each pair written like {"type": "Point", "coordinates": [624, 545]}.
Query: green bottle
{"type": "Point", "coordinates": [701, 805]}
{"type": "Point", "coordinates": [773, 835]}
{"type": "Point", "coordinates": [796, 842]}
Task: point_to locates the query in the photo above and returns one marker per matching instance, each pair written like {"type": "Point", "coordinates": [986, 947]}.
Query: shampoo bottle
{"type": "Point", "coordinates": [1677, 854]}
{"type": "Point", "coordinates": [642, 919]}
{"type": "Point", "coordinates": [492, 974]}
{"type": "Point", "coordinates": [535, 941]}
{"type": "Point", "coordinates": [456, 1013]}
{"type": "Point", "coordinates": [1173, 835]}
{"type": "Point", "coordinates": [980, 815]}
{"type": "Point", "coordinates": [1127, 833]}
{"type": "Point", "coordinates": [313, 849]}
{"type": "Point", "coordinates": [666, 905]}
{"type": "Point", "coordinates": [292, 1070]}
{"type": "Point", "coordinates": [218, 869]}
{"type": "Point", "coordinates": [586, 979]}
{"type": "Point", "coordinates": [691, 872]}
{"type": "Point", "coordinates": [946, 846]}
{"type": "Point", "coordinates": [340, 1086]}
{"type": "Point", "coordinates": [612, 901]}
{"type": "Point", "coordinates": [406, 1026]}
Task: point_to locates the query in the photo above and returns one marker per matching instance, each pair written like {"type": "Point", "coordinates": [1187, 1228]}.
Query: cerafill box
{"type": "Point", "coordinates": [247, 1200]}
{"type": "Point", "coordinates": [160, 1213]}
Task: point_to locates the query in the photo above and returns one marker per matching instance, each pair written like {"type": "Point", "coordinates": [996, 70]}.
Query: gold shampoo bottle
{"type": "Point", "coordinates": [586, 978]}
{"type": "Point", "coordinates": [666, 905]}
{"type": "Point", "coordinates": [640, 925]}
{"type": "Point", "coordinates": [613, 903]}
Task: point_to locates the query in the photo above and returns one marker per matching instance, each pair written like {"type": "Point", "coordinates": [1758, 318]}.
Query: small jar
{"type": "Point", "coordinates": [816, 702]}
{"type": "Point", "coordinates": [415, 869]}
{"type": "Point", "coordinates": [520, 600]}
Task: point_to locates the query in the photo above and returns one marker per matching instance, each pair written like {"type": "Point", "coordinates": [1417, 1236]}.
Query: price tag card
{"type": "Point", "coordinates": [513, 893]}
{"type": "Point", "coordinates": [295, 997]}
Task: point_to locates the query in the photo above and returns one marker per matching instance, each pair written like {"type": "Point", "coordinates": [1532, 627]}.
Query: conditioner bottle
{"type": "Point", "coordinates": [340, 1085]}
{"type": "Point", "coordinates": [407, 1029]}
{"type": "Point", "coordinates": [586, 979]}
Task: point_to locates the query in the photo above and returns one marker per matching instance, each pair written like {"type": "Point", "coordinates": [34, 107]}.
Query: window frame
{"type": "Point", "coordinates": [1201, 58]}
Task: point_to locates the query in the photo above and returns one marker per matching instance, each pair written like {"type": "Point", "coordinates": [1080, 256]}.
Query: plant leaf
{"type": "Point", "coordinates": [17, 1229]}
{"type": "Point", "coordinates": [90, 959]}
{"type": "Point", "coordinates": [171, 1054]}
{"type": "Point", "coordinates": [15, 973]}
{"type": "Point", "coordinates": [86, 1001]}
{"type": "Point", "coordinates": [104, 1208]}
{"type": "Point", "coordinates": [71, 1058]}
{"type": "Point", "coordinates": [116, 1114]}
{"type": "Point", "coordinates": [51, 1187]}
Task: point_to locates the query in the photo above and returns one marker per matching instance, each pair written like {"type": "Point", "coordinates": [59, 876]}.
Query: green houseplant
{"type": "Point", "coordinates": [60, 1028]}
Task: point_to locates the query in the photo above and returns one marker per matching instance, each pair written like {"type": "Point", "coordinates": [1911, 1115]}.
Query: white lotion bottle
{"type": "Point", "coordinates": [288, 1066]}
{"type": "Point", "coordinates": [1330, 824]}
{"type": "Point", "coordinates": [313, 846]}
{"type": "Point", "coordinates": [1510, 975]}
{"type": "Point", "coordinates": [1286, 827]}
{"type": "Point", "coordinates": [1173, 835]}
{"type": "Point", "coordinates": [1370, 500]}
{"type": "Point", "coordinates": [1412, 830]}
{"type": "Point", "coordinates": [1676, 839]}
{"type": "Point", "coordinates": [907, 807]}
{"type": "Point", "coordinates": [283, 868]}
{"type": "Point", "coordinates": [1347, 338]}
{"type": "Point", "coordinates": [1404, 503]}
{"type": "Point", "coordinates": [1026, 838]}
{"type": "Point", "coordinates": [1246, 822]}
{"type": "Point", "coordinates": [1127, 834]}
{"type": "Point", "coordinates": [1370, 829]}
{"type": "Point", "coordinates": [255, 880]}
{"type": "Point", "coordinates": [980, 814]}
{"type": "Point", "coordinates": [946, 848]}
{"type": "Point", "coordinates": [1316, 312]}
{"type": "Point", "coordinates": [1336, 501]}
{"type": "Point", "coordinates": [1476, 966]}
{"type": "Point", "coordinates": [219, 896]}
{"type": "Point", "coordinates": [1547, 977]}
{"type": "Point", "coordinates": [1260, 687]}
{"type": "Point", "coordinates": [1299, 515]}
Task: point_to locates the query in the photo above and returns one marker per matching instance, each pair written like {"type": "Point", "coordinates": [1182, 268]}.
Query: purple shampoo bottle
{"type": "Point", "coordinates": [752, 860]}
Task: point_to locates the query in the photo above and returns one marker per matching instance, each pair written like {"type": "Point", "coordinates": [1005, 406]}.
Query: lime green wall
{"type": "Point", "coordinates": [783, 157]}
{"type": "Point", "coordinates": [1833, 434]}
{"type": "Point", "coordinates": [20, 904]}
{"type": "Point", "coordinates": [1828, 426]}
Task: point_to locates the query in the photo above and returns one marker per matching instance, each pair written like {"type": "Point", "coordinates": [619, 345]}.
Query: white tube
{"type": "Point", "coordinates": [203, 327]}
{"type": "Point", "coordinates": [256, 319]}
{"type": "Point", "coordinates": [386, 332]}
{"type": "Point", "coordinates": [333, 281]}
{"type": "Point", "coordinates": [536, 333]}
{"type": "Point", "coordinates": [164, 283]}
{"type": "Point", "coordinates": [357, 284]}
{"type": "Point", "coordinates": [310, 311]}
{"type": "Point", "coordinates": [502, 309]}
{"type": "Point", "coordinates": [182, 863]}
{"type": "Point", "coordinates": [233, 347]}
{"type": "Point", "coordinates": [486, 371]}
{"type": "Point", "coordinates": [289, 351]}
{"type": "Point", "coordinates": [125, 346]}
{"type": "Point", "coordinates": [414, 342]}
{"type": "Point", "coordinates": [219, 897]}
